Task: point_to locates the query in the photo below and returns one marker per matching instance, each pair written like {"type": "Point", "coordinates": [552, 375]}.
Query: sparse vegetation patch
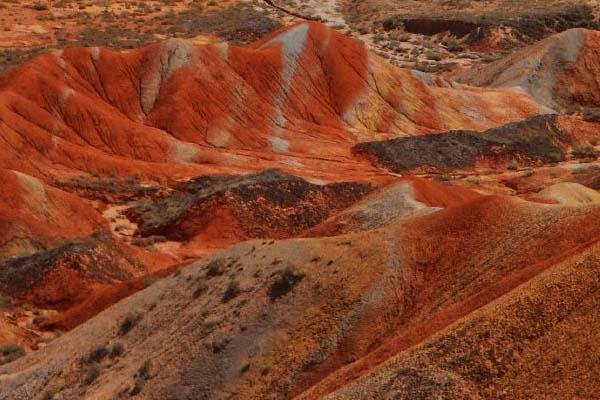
{"type": "Point", "coordinates": [284, 281]}
{"type": "Point", "coordinates": [130, 320]}
{"type": "Point", "coordinates": [11, 352]}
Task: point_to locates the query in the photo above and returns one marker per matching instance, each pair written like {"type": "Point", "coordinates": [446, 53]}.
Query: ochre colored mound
{"type": "Point", "coordinates": [571, 194]}
{"type": "Point", "coordinates": [402, 199]}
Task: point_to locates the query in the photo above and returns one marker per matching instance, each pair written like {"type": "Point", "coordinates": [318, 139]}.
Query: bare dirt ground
{"type": "Point", "coordinates": [33, 27]}
{"type": "Point", "coordinates": [447, 35]}
{"type": "Point", "coordinates": [30, 28]}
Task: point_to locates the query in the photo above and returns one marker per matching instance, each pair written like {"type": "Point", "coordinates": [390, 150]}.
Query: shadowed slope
{"type": "Point", "coordinates": [79, 278]}
{"type": "Point", "coordinates": [533, 141]}
{"type": "Point", "coordinates": [571, 194]}
{"type": "Point", "coordinates": [217, 211]}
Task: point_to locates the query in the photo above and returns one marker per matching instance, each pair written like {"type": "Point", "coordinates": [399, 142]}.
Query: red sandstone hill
{"type": "Point", "coordinates": [34, 216]}
{"type": "Point", "coordinates": [87, 131]}
{"type": "Point", "coordinates": [298, 99]}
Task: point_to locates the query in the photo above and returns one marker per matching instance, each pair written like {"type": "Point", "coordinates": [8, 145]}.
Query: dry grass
{"type": "Point", "coordinates": [30, 28]}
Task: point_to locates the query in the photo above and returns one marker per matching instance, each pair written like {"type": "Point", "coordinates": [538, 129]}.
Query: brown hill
{"type": "Point", "coordinates": [303, 318]}
{"type": "Point", "coordinates": [534, 343]}
{"type": "Point", "coordinates": [559, 72]}
{"type": "Point", "coordinates": [212, 212]}
{"type": "Point", "coordinates": [404, 198]}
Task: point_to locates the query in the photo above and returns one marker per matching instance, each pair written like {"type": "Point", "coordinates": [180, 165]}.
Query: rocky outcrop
{"type": "Point", "coordinates": [270, 204]}
{"type": "Point", "coordinates": [535, 140]}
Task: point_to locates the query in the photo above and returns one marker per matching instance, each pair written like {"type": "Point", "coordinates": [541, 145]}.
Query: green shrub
{"type": "Point", "coordinates": [232, 290]}
{"type": "Point", "coordinates": [144, 370]}
{"type": "Point", "coordinates": [581, 150]}
{"type": "Point", "coordinates": [130, 320]}
{"type": "Point", "coordinates": [215, 268]}
{"type": "Point", "coordinates": [97, 354]}
{"type": "Point", "coordinates": [92, 372]}
{"type": "Point", "coordinates": [137, 387]}
{"type": "Point", "coordinates": [199, 290]}
{"type": "Point", "coordinates": [284, 281]}
{"type": "Point", "coordinates": [554, 157]}
{"type": "Point", "coordinates": [433, 55]}
{"type": "Point", "coordinates": [245, 367]}
{"type": "Point", "coordinates": [10, 352]}
{"type": "Point", "coordinates": [116, 349]}
{"type": "Point", "coordinates": [142, 375]}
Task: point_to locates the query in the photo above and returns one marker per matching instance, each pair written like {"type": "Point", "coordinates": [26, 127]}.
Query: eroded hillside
{"type": "Point", "coordinates": [298, 218]}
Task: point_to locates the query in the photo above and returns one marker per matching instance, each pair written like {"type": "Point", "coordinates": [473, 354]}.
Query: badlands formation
{"type": "Point", "coordinates": [299, 218]}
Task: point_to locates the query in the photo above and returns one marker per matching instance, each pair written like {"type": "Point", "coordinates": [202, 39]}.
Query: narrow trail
{"type": "Point", "coordinates": [326, 11]}
{"type": "Point", "coordinates": [329, 12]}
{"type": "Point", "coordinates": [271, 4]}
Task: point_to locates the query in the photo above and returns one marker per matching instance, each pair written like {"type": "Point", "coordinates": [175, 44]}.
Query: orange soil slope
{"type": "Point", "coordinates": [297, 99]}
{"type": "Point", "coordinates": [34, 216]}
{"type": "Point", "coordinates": [579, 82]}
{"type": "Point", "coordinates": [43, 263]}
{"type": "Point", "coordinates": [79, 278]}
{"type": "Point", "coordinates": [559, 72]}
{"type": "Point", "coordinates": [338, 320]}
{"type": "Point", "coordinates": [538, 342]}
{"type": "Point", "coordinates": [462, 258]}
{"type": "Point", "coordinates": [403, 198]}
